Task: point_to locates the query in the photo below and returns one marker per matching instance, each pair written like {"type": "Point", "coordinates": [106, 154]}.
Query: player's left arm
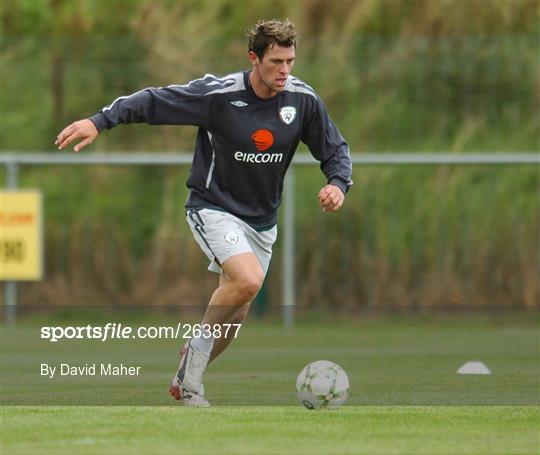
{"type": "Point", "coordinates": [328, 146]}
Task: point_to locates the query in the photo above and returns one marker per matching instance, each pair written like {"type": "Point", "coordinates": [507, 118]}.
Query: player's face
{"type": "Point", "coordinates": [270, 74]}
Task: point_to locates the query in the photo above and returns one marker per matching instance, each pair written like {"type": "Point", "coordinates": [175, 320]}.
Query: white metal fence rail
{"type": "Point", "coordinates": [12, 161]}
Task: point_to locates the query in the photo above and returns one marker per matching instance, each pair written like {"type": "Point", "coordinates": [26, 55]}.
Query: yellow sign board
{"type": "Point", "coordinates": [21, 235]}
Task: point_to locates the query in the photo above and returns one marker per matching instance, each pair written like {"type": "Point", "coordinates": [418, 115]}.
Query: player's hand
{"type": "Point", "coordinates": [331, 198]}
{"type": "Point", "coordinates": [83, 129]}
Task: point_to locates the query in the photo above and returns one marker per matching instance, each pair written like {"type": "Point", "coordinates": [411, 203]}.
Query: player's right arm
{"type": "Point", "coordinates": [173, 105]}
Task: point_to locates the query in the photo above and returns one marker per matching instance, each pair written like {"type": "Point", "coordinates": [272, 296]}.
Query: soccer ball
{"type": "Point", "coordinates": [322, 384]}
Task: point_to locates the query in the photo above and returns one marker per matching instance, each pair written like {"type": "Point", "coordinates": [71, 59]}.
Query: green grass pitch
{"type": "Point", "coordinates": [405, 394]}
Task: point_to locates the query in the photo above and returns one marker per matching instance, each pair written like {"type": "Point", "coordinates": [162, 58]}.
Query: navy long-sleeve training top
{"type": "Point", "coordinates": [244, 144]}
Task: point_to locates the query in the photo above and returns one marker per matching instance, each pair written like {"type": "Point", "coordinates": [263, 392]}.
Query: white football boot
{"type": "Point", "coordinates": [187, 382]}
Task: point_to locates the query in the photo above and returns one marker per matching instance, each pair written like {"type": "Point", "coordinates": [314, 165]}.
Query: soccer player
{"type": "Point", "coordinates": [249, 126]}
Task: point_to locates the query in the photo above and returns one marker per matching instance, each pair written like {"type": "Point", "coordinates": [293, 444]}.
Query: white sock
{"type": "Point", "coordinates": [203, 344]}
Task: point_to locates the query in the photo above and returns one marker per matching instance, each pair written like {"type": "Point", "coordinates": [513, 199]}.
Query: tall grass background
{"type": "Point", "coordinates": [427, 76]}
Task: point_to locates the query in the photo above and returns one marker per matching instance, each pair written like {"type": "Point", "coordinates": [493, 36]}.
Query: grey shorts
{"type": "Point", "coordinates": [222, 235]}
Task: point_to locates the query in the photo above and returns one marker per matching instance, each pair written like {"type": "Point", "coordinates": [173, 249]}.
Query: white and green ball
{"type": "Point", "coordinates": [322, 384]}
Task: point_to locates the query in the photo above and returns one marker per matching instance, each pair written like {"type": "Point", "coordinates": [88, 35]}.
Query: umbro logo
{"type": "Point", "coordinates": [238, 103]}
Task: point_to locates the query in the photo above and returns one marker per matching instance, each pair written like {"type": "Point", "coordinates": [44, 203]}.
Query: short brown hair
{"type": "Point", "coordinates": [265, 33]}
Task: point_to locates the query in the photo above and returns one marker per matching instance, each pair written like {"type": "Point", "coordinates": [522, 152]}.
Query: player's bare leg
{"type": "Point", "coordinates": [244, 277]}
{"type": "Point", "coordinates": [221, 343]}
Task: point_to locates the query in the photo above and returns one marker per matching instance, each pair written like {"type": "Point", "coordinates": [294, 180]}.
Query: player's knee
{"type": "Point", "coordinates": [248, 287]}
